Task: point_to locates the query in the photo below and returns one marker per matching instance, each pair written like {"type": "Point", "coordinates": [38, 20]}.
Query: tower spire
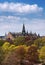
{"type": "Point", "coordinates": [23, 30]}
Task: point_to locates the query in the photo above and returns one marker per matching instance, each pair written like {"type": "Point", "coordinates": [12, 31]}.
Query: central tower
{"type": "Point", "coordinates": [23, 30]}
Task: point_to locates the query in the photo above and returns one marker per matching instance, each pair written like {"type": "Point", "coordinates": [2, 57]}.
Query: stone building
{"type": "Point", "coordinates": [11, 35]}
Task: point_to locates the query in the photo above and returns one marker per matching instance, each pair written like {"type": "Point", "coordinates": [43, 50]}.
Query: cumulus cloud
{"type": "Point", "coordinates": [20, 8]}
{"type": "Point", "coordinates": [14, 24]}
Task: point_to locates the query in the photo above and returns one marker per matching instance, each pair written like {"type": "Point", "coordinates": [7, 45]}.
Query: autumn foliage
{"type": "Point", "coordinates": [24, 51]}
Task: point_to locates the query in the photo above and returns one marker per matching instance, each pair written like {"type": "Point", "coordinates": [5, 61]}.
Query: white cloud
{"type": "Point", "coordinates": [20, 8]}
{"type": "Point", "coordinates": [14, 24]}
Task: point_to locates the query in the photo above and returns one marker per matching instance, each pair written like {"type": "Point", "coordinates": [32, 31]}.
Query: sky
{"type": "Point", "coordinates": [13, 13]}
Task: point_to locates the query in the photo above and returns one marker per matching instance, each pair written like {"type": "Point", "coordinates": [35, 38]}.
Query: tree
{"type": "Point", "coordinates": [11, 48]}
{"type": "Point", "coordinates": [20, 51]}
{"type": "Point", "coordinates": [19, 41]}
{"type": "Point", "coordinates": [1, 42]}
{"type": "Point", "coordinates": [42, 54]}
{"type": "Point", "coordinates": [16, 56]}
{"type": "Point", "coordinates": [40, 42]}
{"type": "Point", "coordinates": [32, 54]}
{"type": "Point", "coordinates": [1, 55]}
{"type": "Point", "coordinates": [5, 46]}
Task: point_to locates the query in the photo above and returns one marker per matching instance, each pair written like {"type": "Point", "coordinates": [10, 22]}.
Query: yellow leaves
{"type": "Point", "coordinates": [5, 46]}
{"type": "Point", "coordinates": [42, 53]}
{"type": "Point", "coordinates": [12, 47]}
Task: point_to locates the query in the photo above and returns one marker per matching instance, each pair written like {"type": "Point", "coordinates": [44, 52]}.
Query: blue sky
{"type": "Point", "coordinates": [13, 13]}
